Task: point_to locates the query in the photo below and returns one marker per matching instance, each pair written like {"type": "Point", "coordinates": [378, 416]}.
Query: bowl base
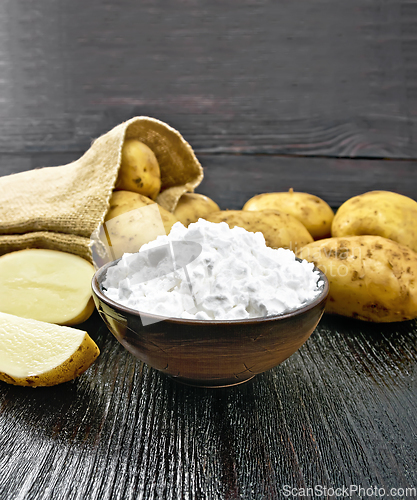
{"type": "Point", "coordinates": [203, 385]}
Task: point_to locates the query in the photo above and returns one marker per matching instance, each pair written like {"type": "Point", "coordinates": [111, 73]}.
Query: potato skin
{"type": "Point", "coordinates": [139, 170]}
{"type": "Point", "coordinates": [371, 278]}
{"type": "Point", "coordinates": [72, 368]}
{"type": "Point", "coordinates": [312, 211]}
{"type": "Point", "coordinates": [193, 206]}
{"type": "Point", "coordinates": [279, 230]}
{"type": "Point", "coordinates": [134, 230]}
{"type": "Point", "coordinates": [381, 213]}
{"type": "Point", "coordinates": [124, 201]}
{"type": "Point", "coordinates": [83, 316]}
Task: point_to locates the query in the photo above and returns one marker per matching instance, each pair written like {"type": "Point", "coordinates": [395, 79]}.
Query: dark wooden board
{"type": "Point", "coordinates": [308, 77]}
{"type": "Point", "coordinates": [340, 412]}
{"type": "Point", "coordinates": [232, 179]}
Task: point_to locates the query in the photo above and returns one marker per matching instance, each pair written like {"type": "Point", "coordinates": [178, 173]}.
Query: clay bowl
{"type": "Point", "coordinates": [209, 353]}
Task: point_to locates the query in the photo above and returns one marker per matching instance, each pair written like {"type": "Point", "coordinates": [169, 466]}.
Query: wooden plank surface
{"type": "Point", "coordinates": [339, 412]}
{"type": "Point", "coordinates": [232, 179]}
{"type": "Point", "coordinates": [308, 77]}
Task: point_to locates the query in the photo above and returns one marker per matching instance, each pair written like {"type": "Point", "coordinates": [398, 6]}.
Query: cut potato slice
{"type": "Point", "coordinates": [46, 285]}
{"type": "Point", "coordinates": [35, 353]}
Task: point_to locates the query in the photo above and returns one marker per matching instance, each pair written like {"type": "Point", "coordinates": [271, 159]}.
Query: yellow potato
{"type": "Point", "coordinates": [313, 212]}
{"type": "Point", "coordinates": [380, 213]}
{"type": "Point", "coordinates": [371, 278]}
{"type": "Point", "coordinates": [128, 228]}
{"type": "Point", "coordinates": [34, 353]}
{"type": "Point", "coordinates": [279, 230]}
{"type": "Point", "coordinates": [193, 206]}
{"type": "Point", "coordinates": [125, 201]}
{"type": "Point", "coordinates": [139, 169]}
{"type": "Point", "coordinates": [46, 285]}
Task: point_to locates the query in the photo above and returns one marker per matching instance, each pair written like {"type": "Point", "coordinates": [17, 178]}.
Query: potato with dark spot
{"type": "Point", "coordinates": [125, 201]}
{"type": "Point", "coordinates": [310, 210]}
{"type": "Point", "coordinates": [139, 170]}
{"type": "Point", "coordinates": [371, 278]}
{"type": "Point", "coordinates": [280, 230]}
{"type": "Point", "coordinates": [133, 220]}
{"type": "Point", "coordinates": [381, 213]}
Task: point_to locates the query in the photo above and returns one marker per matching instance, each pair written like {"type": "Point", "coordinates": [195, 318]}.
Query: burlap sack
{"type": "Point", "coordinates": [61, 207]}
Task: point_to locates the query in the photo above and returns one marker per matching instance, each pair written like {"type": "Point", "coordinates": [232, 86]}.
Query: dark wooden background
{"type": "Point", "coordinates": [318, 95]}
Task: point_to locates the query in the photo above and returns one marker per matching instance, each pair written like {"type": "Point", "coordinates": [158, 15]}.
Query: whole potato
{"type": "Point", "coordinates": [128, 229]}
{"type": "Point", "coordinates": [139, 170]}
{"type": "Point", "coordinates": [381, 213]}
{"type": "Point", "coordinates": [193, 206]}
{"type": "Point", "coordinates": [371, 278]}
{"type": "Point", "coordinates": [279, 230]}
{"type": "Point", "coordinates": [125, 201]}
{"type": "Point", "coordinates": [312, 211]}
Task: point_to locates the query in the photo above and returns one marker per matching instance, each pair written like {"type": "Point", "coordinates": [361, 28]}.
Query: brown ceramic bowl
{"type": "Point", "coordinates": [209, 353]}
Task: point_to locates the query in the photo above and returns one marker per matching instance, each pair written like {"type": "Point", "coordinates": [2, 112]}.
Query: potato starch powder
{"type": "Point", "coordinates": [235, 275]}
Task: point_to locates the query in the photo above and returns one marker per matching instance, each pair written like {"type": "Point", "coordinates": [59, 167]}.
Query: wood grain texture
{"type": "Point", "coordinates": [232, 179]}
{"type": "Point", "coordinates": [311, 78]}
{"type": "Point", "coordinates": [341, 411]}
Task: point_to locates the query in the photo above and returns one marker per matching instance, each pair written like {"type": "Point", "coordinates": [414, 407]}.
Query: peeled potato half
{"type": "Point", "coordinates": [34, 353]}
{"type": "Point", "coordinates": [46, 285]}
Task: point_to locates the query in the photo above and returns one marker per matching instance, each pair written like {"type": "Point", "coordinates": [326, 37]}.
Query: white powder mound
{"type": "Point", "coordinates": [236, 276]}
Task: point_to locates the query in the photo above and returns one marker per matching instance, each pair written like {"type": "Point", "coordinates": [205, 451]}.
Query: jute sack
{"type": "Point", "coordinates": [61, 207]}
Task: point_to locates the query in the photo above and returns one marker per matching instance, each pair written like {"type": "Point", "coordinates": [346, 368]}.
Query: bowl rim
{"type": "Point", "coordinates": [321, 297]}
